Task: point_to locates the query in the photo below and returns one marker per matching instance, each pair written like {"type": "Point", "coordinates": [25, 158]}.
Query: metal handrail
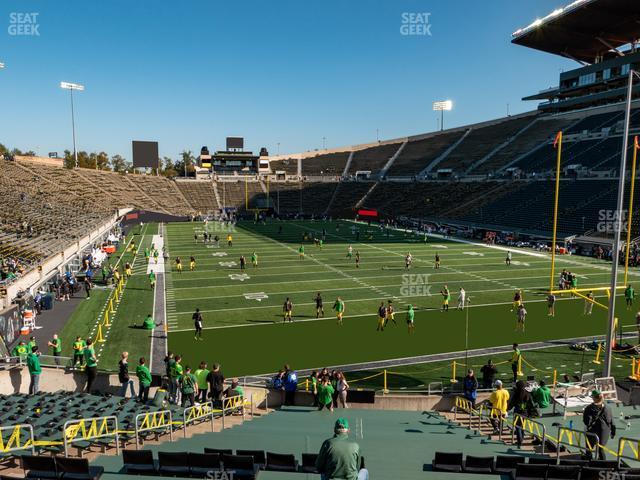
{"type": "Point", "coordinates": [98, 428]}
{"type": "Point", "coordinates": [15, 438]}
{"type": "Point", "coordinates": [197, 412]}
{"type": "Point", "coordinates": [153, 424]}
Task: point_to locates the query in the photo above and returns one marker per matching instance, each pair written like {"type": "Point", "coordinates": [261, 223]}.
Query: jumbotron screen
{"type": "Point", "coordinates": [145, 154]}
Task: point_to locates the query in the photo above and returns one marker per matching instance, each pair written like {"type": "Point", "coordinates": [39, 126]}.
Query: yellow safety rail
{"type": "Point", "coordinates": [89, 429]}
{"type": "Point", "coordinates": [17, 439]}
{"type": "Point", "coordinates": [160, 420]}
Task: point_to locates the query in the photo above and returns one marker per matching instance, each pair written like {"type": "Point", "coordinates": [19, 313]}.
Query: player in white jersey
{"type": "Point", "coordinates": [461, 298]}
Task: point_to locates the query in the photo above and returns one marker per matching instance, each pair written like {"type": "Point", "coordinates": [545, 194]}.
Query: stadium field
{"type": "Point", "coordinates": [242, 310]}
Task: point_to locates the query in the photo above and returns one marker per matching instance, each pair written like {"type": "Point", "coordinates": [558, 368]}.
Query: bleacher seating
{"type": "Point", "coordinates": [482, 141]}
{"type": "Point", "coordinates": [374, 158]}
{"type": "Point", "coordinates": [307, 198]}
{"type": "Point", "coordinates": [47, 413]}
{"type": "Point", "coordinates": [417, 154]}
{"type": "Point", "coordinates": [200, 194]}
{"type": "Point", "coordinates": [330, 164]}
{"type": "Point", "coordinates": [543, 130]}
{"type": "Point", "coordinates": [288, 165]}
{"type": "Point", "coordinates": [40, 218]}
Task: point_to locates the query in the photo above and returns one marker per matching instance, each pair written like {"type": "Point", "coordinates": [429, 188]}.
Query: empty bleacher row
{"type": "Point", "coordinates": [530, 207]}
{"type": "Point", "coordinates": [481, 141]}
{"type": "Point", "coordinates": [39, 217]}
{"type": "Point", "coordinates": [200, 194]}
{"type": "Point", "coordinates": [374, 158]}
{"type": "Point", "coordinates": [432, 199]}
{"type": "Point", "coordinates": [417, 154]}
{"type": "Point", "coordinates": [330, 164]}
{"type": "Point", "coordinates": [539, 467]}
{"type": "Point", "coordinates": [306, 198]}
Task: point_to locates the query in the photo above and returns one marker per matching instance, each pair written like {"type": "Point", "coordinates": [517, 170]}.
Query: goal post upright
{"type": "Point", "coordinates": [616, 234]}
{"type": "Point", "coordinates": [630, 214]}
{"type": "Point", "coordinates": [558, 145]}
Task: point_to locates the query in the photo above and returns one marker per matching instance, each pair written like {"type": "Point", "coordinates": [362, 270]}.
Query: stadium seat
{"type": "Point", "coordinates": [542, 461]}
{"type": "Point", "coordinates": [173, 463]}
{"type": "Point", "coordinates": [526, 471]}
{"type": "Point", "coordinates": [220, 451]}
{"type": "Point", "coordinates": [592, 473]}
{"type": "Point", "coordinates": [563, 471]}
{"type": "Point", "coordinates": [242, 466]}
{"type": "Point", "coordinates": [447, 462]}
{"type": "Point", "coordinates": [613, 464]}
{"type": "Point", "coordinates": [258, 456]}
{"type": "Point", "coordinates": [309, 463]}
{"type": "Point", "coordinates": [138, 462]}
{"type": "Point", "coordinates": [280, 462]}
{"type": "Point", "coordinates": [39, 467]}
{"type": "Point", "coordinates": [506, 464]}
{"type": "Point", "coordinates": [473, 464]}
{"type": "Point", "coordinates": [574, 461]}
{"type": "Point", "coordinates": [78, 469]}
{"type": "Point", "coordinates": [202, 464]}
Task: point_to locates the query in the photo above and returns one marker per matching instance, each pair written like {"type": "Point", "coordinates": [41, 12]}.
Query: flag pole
{"type": "Point", "coordinates": [558, 145]}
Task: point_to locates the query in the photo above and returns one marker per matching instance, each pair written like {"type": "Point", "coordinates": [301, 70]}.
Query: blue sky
{"type": "Point", "coordinates": [189, 73]}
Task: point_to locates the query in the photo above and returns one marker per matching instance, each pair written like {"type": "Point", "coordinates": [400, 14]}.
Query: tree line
{"type": "Point", "coordinates": [167, 167]}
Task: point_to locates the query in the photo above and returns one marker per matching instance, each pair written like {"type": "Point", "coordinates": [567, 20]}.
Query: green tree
{"type": "Point", "coordinates": [102, 161]}
{"type": "Point", "coordinates": [187, 162]}
{"type": "Point", "coordinates": [118, 163]}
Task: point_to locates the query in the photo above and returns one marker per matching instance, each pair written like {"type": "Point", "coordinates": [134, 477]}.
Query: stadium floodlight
{"type": "Point", "coordinates": [441, 106]}
{"type": "Point", "coordinates": [71, 87]}
{"type": "Point", "coordinates": [1, 65]}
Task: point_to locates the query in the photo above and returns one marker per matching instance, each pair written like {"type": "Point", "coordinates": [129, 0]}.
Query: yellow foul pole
{"type": "Point", "coordinates": [630, 214]}
{"type": "Point", "coordinates": [558, 145]}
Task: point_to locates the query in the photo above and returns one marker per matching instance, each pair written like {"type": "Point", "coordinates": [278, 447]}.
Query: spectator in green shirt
{"type": "Point", "coordinates": [20, 350]}
{"type": "Point", "coordinates": [201, 377]}
{"type": "Point", "coordinates": [144, 377]}
{"type": "Point", "coordinates": [175, 372]}
{"type": "Point", "coordinates": [91, 363]}
{"type": "Point", "coordinates": [542, 395]}
{"type": "Point", "coordinates": [56, 347]}
{"type": "Point", "coordinates": [339, 457]}
{"type": "Point", "coordinates": [325, 394]}
{"type": "Point", "coordinates": [188, 387]}
{"type": "Point", "coordinates": [33, 364]}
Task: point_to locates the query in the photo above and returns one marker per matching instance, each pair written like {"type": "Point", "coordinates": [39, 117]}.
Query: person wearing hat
{"type": "Point", "coordinates": [339, 457]}
{"type": "Point", "coordinates": [598, 420]}
{"type": "Point", "coordinates": [499, 400]}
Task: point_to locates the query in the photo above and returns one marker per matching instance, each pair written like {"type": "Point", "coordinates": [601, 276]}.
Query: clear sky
{"type": "Point", "coordinates": [189, 73]}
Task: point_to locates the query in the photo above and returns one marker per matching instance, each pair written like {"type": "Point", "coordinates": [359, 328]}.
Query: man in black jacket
{"type": "Point", "coordinates": [123, 376]}
{"type": "Point", "coordinates": [598, 420]}
{"type": "Point", "coordinates": [216, 383]}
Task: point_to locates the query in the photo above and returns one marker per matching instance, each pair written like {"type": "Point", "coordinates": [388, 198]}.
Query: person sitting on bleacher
{"type": "Point", "coordinates": [338, 457]}
{"type": "Point", "coordinates": [542, 395]}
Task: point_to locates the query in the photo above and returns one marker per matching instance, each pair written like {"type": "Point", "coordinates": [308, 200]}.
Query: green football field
{"type": "Point", "coordinates": [242, 310]}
